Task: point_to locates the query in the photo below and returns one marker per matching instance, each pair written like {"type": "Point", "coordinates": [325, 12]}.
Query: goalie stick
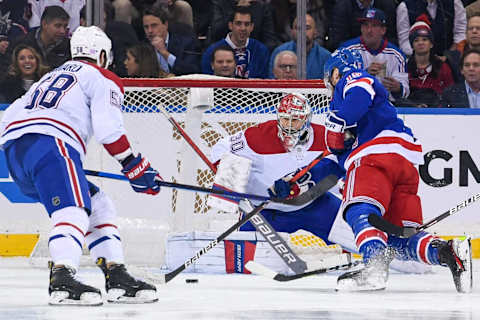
{"type": "Point", "coordinates": [300, 200]}
{"type": "Point", "coordinates": [406, 232]}
{"type": "Point", "coordinates": [164, 278]}
{"type": "Point", "coordinates": [260, 223]}
{"type": "Point", "coordinates": [262, 270]}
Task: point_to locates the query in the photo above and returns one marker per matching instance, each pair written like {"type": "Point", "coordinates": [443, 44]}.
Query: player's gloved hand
{"type": "Point", "coordinates": [143, 178]}
{"type": "Point", "coordinates": [283, 188]}
{"type": "Point", "coordinates": [338, 136]}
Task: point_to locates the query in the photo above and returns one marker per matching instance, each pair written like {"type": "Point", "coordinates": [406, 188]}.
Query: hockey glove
{"type": "Point", "coordinates": [143, 178]}
{"type": "Point", "coordinates": [283, 188]}
{"type": "Point", "coordinates": [338, 137]}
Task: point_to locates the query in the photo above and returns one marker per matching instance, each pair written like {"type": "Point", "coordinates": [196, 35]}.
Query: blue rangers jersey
{"type": "Point", "coordinates": [362, 101]}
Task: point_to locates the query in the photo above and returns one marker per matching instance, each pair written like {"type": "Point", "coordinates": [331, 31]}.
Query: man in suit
{"type": "Point", "coordinates": [177, 52]}
{"type": "Point", "coordinates": [465, 94]}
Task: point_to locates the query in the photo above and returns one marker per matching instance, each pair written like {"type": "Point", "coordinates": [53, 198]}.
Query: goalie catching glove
{"type": "Point", "coordinates": [283, 188]}
{"type": "Point", "coordinates": [338, 136]}
{"type": "Point", "coordinates": [143, 178]}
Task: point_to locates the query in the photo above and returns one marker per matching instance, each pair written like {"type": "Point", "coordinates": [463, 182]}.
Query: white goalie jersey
{"type": "Point", "coordinates": [73, 102]}
{"type": "Point", "coordinates": [270, 160]}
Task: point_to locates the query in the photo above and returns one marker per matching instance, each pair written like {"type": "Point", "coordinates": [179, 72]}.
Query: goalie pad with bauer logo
{"type": "Point", "coordinates": [233, 173]}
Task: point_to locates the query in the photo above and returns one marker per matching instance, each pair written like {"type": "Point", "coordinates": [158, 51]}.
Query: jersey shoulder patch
{"type": "Point", "coordinates": [263, 138]}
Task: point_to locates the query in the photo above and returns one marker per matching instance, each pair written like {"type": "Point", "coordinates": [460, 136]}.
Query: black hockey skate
{"type": "Point", "coordinates": [457, 255]}
{"type": "Point", "coordinates": [65, 289]}
{"type": "Point", "coordinates": [373, 276]}
{"type": "Point", "coordinates": [121, 287]}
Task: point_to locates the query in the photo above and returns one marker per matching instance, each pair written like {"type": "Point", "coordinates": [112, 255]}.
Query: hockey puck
{"type": "Point", "coordinates": [191, 280]}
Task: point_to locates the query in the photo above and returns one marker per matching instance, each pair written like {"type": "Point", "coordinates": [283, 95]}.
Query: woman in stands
{"type": "Point", "coordinates": [142, 62]}
{"type": "Point", "coordinates": [428, 74]}
{"type": "Point", "coordinates": [26, 68]}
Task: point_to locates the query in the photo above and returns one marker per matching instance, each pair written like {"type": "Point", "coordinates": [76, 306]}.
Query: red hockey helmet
{"type": "Point", "coordinates": [293, 115]}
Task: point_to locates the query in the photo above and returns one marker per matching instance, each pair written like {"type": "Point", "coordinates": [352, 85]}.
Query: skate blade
{"type": "Point", "coordinates": [463, 249]}
{"type": "Point", "coordinates": [350, 285]}
{"type": "Point", "coordinates": [142, 296]}
{"type": "Point", "coordinates": [61, 298]}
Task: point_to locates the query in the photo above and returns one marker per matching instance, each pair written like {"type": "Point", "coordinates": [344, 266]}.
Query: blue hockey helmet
{"type": "Point", "coordinates": [341, 61]}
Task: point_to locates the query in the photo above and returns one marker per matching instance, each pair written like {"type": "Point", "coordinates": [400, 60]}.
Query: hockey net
{"type": "Point", "coordinates": [208, 109]}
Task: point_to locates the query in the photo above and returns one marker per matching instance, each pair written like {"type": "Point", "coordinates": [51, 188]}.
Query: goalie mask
{"type": "Point", "coordinates": [340, 62]}
{"type": "Point", "coordinates": [89, 42]}
{"type": "Point", "coordinates": [293, 116]}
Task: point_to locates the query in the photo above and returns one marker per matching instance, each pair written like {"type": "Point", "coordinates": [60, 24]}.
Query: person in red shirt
{"type": "Point", "coordinates": [428, 75]}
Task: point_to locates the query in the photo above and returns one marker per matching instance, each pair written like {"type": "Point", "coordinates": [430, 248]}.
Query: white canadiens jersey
{"type": "Point", "coordinates": [73, 102]}
{"type": "Point", "coordinates": [270, 160]}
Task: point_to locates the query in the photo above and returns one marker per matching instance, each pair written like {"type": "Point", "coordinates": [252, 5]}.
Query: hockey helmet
{"type": "Point", "coordinates": [293, 118]}
{"type": "Point", "coordinates": [89, 42]}
{"type": "Point", "coordinates": [340, 62]}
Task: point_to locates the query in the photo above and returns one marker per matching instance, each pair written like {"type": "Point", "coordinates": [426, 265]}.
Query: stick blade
{"type": "Point", "coordinates": [260, 269]}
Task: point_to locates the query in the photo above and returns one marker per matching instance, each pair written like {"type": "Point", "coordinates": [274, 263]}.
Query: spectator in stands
{"type": "Point", "coordinates": [285, 65]}
{"type": "Point", "coordinates": [285, 11]}
{"type": "Point", "coordinates": [344, 22]}
{"type": "Point", "coordinates": [381, 58]}
{"type": "Point", "coordinates": [12, 21]}
{"type": "Point", "coordinates": [4, 43]}
{"type": "Point", "coordinates": [72, 8]}
{"type": "Point", "coordinates": [428, 74]}
{"type": "Point", "coordinates": [202, 18]}
{"type": "Point", "coordinates": [17, 11]}
{"type": "Point", "coordinates": [448, 22]}
{"type": "Point", "coordinates": [180, 11]}
{"type": "Point", "coordinates": [251, 56]}
{"type": "Point", "coordinates": [124, 11]}
{"type": "Point", "coordinates": [472, 8]}
{"type": "Point", "coordinates": [26, 68]}
{"type": "Point", "coordinates": [223, 61]}
{"type": "Point", "coordinates": [177, 53]}
{"type": "Point", "coordinates": [316, 55]}
{"type": "Point", "coordinates": [141, 62]}
{"type": "Point", "coordinates": [465, 94]}
{"type": "Point", "coordinates": [262, 20]}
{"type": "Point", "coordinates": [50, 40]}
{"type": "Point", "coordinates": [472, 41]}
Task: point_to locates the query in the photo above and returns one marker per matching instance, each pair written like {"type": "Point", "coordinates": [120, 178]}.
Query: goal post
{"type": "Point", "coordinates": [208, 108]}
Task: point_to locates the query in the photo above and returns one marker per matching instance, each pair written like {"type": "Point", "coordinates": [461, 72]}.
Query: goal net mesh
{"type": "Point", "coordinates": [208, 109]}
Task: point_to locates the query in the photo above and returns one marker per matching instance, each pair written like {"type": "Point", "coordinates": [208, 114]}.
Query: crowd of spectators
{"type": "Point", "coordinates": [425, 52]}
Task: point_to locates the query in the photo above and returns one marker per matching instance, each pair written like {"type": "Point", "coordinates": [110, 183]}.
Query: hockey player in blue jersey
{"type": "Point", "coordinates": [379, 154]}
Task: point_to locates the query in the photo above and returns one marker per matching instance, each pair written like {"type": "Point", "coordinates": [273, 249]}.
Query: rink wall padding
{"type": "Point", "coordinates": [450, 174]}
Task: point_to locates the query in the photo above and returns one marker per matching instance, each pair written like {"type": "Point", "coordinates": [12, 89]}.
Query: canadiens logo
{"type": "Point", "coordinates": [115, 99]}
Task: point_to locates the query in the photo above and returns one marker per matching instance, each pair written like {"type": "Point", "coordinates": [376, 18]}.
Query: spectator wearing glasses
{"type": "Point", "coordinates": [316, 55]}
{"type": "Point", "coordinates": [285, 65]}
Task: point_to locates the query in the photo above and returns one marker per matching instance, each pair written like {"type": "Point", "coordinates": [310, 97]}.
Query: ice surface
{"type": "Point", "coordinates": [23, 295]}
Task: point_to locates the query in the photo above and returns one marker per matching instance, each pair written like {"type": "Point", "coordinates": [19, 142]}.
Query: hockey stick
{"type": "Point", "coordinates": [187, 138]}
{"type": "Point", "coordinates": [262, 270]}
{"type": "Point", "coordinates": [226, 193]}
{"type": "Point", "coordinates": [169, 276]}
{"type": "Point", "coordinates": [406, 232]}
{"type": "Point", "coordinates": [259, 222]}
